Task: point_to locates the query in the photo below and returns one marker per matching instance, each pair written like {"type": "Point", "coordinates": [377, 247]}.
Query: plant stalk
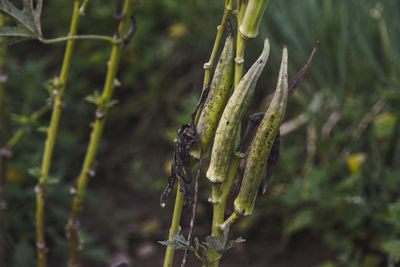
{"type": "Point", "coordinates": [240, 45]}
{"type": "Point", "coordinates": [101, 114]}
{"type": "Point", "coordinates": [170, 251]}
{"type": "Point", "coordinates": [220, 195]}
{"type": "Point", "coordinates": [176, 218]}
{"type": "Point", "coordinates": [208, 66]}
{"type": "Point", "coordinates": [49, 144]}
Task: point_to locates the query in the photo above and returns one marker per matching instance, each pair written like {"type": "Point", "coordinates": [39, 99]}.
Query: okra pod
{"type": "Point", "coordinates": [252, 18]}
{"type": "Point", "coordinates": [217, 97]}
{"type": "Point", "coordinates": [262, 144]}
{"type": "Point", "coordinates": [228, 125]}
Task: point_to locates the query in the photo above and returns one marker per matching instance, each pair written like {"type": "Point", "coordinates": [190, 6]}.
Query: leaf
{"type": "Point", "coordinates": [300, 222]}
{"type": "Point", "coordinates": [212, 242]}
{"type": "Point", "coordinates": [35, 172]}
{"type": "Point", "coordinates": [233, 243]}
{"type": "Point", "coordinates": [27, 19]}
{"type": "Point", "coordinates": [384, 125]}
{"type": "Point", "coordinates": [95, 98]}
{"type": "Point", "coordinates": [177, 242]}
{"type": "Point", "coordinates": [393, 249]}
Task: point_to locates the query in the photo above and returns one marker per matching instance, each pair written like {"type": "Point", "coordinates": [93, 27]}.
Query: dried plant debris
{"type": "Point", "coordinates": [180, 166]}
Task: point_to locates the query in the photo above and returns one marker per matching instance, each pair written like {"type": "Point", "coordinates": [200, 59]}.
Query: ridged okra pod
{"type": "Point", "coordinates": [228, 125]}
{"type": "Point", "coordinates": [217, 97]}
{"type": "Point", "coordinates": [252, 18]}
{"type": "Point", "coordinates": [262, 144]}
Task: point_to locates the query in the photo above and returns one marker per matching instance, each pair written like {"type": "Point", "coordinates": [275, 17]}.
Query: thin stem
{"type": "Point", "coordinates": [2, 140]}
{"type": "Point", "coordinates": [80, 37]}
{"type": "Point", "coordinates": [240, 46]}
{"type": "Point", "coordinates": [176, 218]}
{"type": "Point", "coordinates": [83, 7]}
{"type": "Point", "coordinates": [101, 114]}
{"type": "Point", "coordinates": [49, 144]}
{"type": "Point", "coordinates": [208, 66]}
{"type": "Point", "coordinates": [233, 218]}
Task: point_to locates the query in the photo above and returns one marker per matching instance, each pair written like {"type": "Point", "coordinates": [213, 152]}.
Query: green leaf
{"type": "Point", "coordinates": [177, 242]}
{"type": "Point", "coordinates": [393, 249]}
{"type": "Point", "coordinates": [300, 222]}
{"type": "Point", "coordinates": [27, 19]}
{"type": "Point", "coordinates": [212, 242]}
{"type": "Point", "coordinates": [233, 243]}
{"type": "Point", "coordinates": [35, 172]}
{"type": "Point", "coordinates": [95, 98]}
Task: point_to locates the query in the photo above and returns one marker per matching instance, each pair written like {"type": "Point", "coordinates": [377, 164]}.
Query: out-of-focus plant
{"type": "Point", "coordinates": [28, 26]}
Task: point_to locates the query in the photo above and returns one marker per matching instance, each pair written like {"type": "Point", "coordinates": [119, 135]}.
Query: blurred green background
{"type": "Point", "coordinates": [334, 197]}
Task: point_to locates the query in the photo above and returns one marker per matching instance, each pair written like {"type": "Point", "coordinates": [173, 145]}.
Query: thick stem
{"type": "Point", "coordinates": [220, 195]}
{"type": "Point", "coordinates": [101, 114]}
{"type": "Point", "coordinates": [176, 218]}
{"type": "Point", "coordinates": [3, 78]}
{"type": "Point", "coordinates": [49, 144]}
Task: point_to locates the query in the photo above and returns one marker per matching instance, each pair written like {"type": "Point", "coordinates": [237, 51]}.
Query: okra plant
{"type": "Point", "coordinates": [26, 25]}
{"type": "Point", "coordinates": [216, 121]}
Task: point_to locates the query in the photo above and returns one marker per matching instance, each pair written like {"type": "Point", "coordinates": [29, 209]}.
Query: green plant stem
{"type": "Point", "coordinates": [220, 195]}
{"type": "Point", "coordinates": [2, 140]}
{"type": "Point", "coordinates": [208, 66]}
{"type": "Point", "coordinates": [80, 37]}
{"type": "Point", "coordinates": [51, 136]}
{"type": "Point", "coordinates": [83, 7]}
{"type": "Point", "coordinates": [101, 114]}
{"type": "Point", "coordinates": [16, 137]}
{"type": "Point", "coordinates": [240, 45]}
{"type": "Point", "coordinates": [220, 29]}
{"type": "Point", "coordinates": [176, 218]}
{"type": "Point", "coordinates": [170, 251]}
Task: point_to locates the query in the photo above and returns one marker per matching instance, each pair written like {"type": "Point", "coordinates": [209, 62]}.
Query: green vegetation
{"type": "Point", "coordinates": [337, 175]}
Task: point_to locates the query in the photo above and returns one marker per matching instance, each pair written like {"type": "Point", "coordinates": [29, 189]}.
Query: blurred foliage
{"type": "Point", "coordinates": [346, 191]}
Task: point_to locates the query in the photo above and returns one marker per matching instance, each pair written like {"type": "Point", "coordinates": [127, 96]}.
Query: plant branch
{"type": "Point", "coordinates": [240, 45]}
{"type": "Point", "coordinates": [103, 105]}
{"type": "Point", "coordinates": [16, 137]}
{"type": "Point", "coordinates": [51, 136]}
{"type": "Point", "coordinates": [170, 251]}
{"type": "Point", "coordinates": [176, 218]}
{"type": "Point", "coordinates": [81, 37]}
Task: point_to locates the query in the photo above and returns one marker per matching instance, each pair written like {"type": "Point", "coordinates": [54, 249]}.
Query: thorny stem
{"type": "Point", "coordinates": [51, 136]}
{"type": "Point", "coordinates": [3, 79]}
{"type": "Point", "coordinates": [170, 251]}
{"type": "Point", "coordinates": [101, 113]}
{"type": "Point", "coordinates": [240, 45]}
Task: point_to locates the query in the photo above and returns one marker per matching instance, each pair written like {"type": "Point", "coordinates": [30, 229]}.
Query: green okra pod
{"type": "Point", "coordinates": [252, 18]}
{"type": "Point", "coordinates": [217, 97]}
{"type": "Point", "coordinates": [228, 125]}
{"type": "Point", "coordinates": [262, 144]}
